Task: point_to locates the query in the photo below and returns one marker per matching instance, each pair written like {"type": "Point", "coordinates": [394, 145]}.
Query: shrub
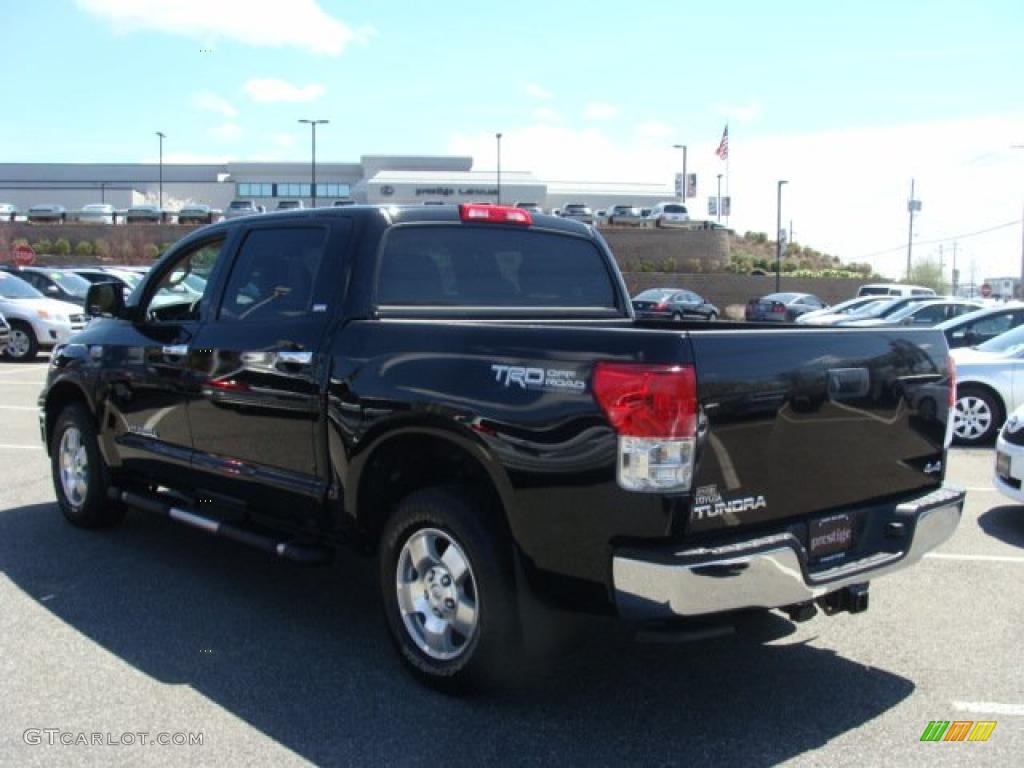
{"type": "Point", "coordinates": [693, 266]}
{"type": "Point", "coordinates": [164, 247]}
{"type": "Point", "coordinates": [83, 248]}
{"type": "Point", "coordinates": [62, 247]}
{"type": "Point", "coordinates": [150, 252]}
{"type": "Point", "coordinates": [126, 251]}
{"type": "Point", "coordinates": [42, 246]}
{"type": "Point", "coordinates": [101, 248]}
{"type": "Point", "coordinates": [668, 264]}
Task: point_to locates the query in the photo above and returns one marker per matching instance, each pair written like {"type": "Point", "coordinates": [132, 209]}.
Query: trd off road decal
{"type": "Point", "coordinates": [547, 379]}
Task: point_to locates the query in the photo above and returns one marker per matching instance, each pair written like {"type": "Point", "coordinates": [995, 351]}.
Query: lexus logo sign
{"type": "Point", "coordinates": [387, 190]}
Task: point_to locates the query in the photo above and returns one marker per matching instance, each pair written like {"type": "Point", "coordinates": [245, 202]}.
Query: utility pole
{"type": "Point", "coordinates": [312, 188]}
{"type": "Point", "coordinates": [778, 232]}
{"type": "Point", "coordinates": [912, 207]}
{"type": "Point", "coordinates": [955, 274]}
{"type": "Point", "coordinates": [718, 202]}
{"type": "Point", "coordinates": [685, 184]}
{"type": "Point", "coordinates": [162, 137]}
{"type": "Point", "coordinates": [497, 138]}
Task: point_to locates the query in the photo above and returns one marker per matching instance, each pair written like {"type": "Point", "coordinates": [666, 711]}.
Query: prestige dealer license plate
{"type": "Point", "coordinates": [830, 535]}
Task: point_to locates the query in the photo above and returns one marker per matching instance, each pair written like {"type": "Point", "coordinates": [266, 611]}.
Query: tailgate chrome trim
{"type": "Point", "coordinates": [768, 572]}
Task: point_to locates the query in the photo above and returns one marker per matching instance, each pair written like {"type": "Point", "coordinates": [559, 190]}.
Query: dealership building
{"type": "Point", "coordinates": [375, 179]}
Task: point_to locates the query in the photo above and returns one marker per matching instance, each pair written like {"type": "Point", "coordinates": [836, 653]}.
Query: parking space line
{"type": "Point", "coordinates": [975, 558]}
{"type": "Point", "coordinates": [10, 447]}
{"type": "Point", "coordinates": [18, 408]}
{"type": "Point", "coordinates": [981, 490]}
{"type": "Point", "coordinates": [990, 708]}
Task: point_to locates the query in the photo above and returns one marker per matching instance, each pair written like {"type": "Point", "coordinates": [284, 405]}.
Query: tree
{"type": "Point", "coordinates": [62, 247]}
{"type": "Point", "coordinates": [929, 274]}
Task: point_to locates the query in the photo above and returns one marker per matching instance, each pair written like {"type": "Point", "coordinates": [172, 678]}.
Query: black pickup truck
{"type": "Point", "coordinates": [464, 391]}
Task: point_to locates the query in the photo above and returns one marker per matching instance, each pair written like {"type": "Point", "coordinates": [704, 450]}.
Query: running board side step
{"type": "Point", "coordinates": [299, 553]}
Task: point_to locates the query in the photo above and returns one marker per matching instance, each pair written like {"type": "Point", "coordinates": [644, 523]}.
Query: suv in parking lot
{"type": "Point", "coordinates": [579, 212]}
{"type": "Point", "coordinates": [242, 208]}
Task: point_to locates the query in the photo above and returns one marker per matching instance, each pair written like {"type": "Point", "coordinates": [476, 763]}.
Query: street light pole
{"type": "Point", "coordinates": [778, 233]}
{"type": "Point", "coordinates": [684, 185]}
{"type": "Point", "coordinates": [497, 138]}
{"type": "Point", "coordinates": [912, 207]}
{"type": "Point", "coordinates": [312, 188]}
{"type": "Point", "coordinates": [718, 201]}
{"type": "Point", "coordinates": [161, 172]}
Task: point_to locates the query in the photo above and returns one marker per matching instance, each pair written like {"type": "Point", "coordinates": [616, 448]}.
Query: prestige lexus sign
{"type": "Point", "coordinates": [461, 191]}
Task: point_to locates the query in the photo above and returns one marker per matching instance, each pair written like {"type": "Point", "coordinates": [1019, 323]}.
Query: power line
{"type": "Point", "coordinates": [1013, 223]}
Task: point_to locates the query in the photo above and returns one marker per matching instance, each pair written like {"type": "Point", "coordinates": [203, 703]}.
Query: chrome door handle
{"type": "Point", "coordinates": [175, 350]}
{"type": "Point", "coordinates": [294, 358]}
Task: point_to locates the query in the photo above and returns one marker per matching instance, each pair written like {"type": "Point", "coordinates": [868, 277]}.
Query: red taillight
{"type": "Point", "coordinates": [495, 214]}
{"type": "Point", "coordinates": [952, 383]}
{"type": "Point", "coordinates": [663, 305]}
{"type": "Point", "coordinates": [778, 307]}
{"type": "Point", "coordinates": [648, 400]}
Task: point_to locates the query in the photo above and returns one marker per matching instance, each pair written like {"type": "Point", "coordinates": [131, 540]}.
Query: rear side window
{"type": "Point", "coordinates": [491, 267]}
{"type": "Point", "coordinates": [274, 274]}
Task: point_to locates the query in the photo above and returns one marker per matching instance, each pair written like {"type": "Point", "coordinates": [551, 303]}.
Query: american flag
{"type": "Point", "coordinates": [723, 145]}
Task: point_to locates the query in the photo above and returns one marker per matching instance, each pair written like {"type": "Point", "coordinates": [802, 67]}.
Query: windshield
{"type": "Point", "coordinates": [875, 309]}
{"type": "Point", "coordinates": [1005, 343]}
{"type": "Point", "coordinates": [12, 287]}
{"type": "Point", "coordinates": [652, 294]}
{"type": "Point", "coordinates": [74, 284]}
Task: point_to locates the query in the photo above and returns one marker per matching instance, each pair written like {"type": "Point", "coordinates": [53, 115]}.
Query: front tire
{"type": "Point", "coordinates": [22, 345]}
{"type": "Point", "coordinates": [977, 416]}
{"type": "Point", "coordinates": [448, 591]}
{"type": "Point", "coordinates": [712, 317]}
{"type": "Point", "coordinates": [80, 476]}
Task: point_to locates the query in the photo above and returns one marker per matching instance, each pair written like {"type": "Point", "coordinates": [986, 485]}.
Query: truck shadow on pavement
{"type": "Point", "coordinates": [302, 655]}
{"type": "Point", "coordinates": [1005, 523]}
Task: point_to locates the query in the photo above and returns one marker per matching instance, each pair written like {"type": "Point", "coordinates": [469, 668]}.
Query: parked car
{"type": "Point", "coordinates": [672, 304]}
{"type": "Point", "coordinates": [1009, 462]}
{"type": "Point", "coordinates": [837, 312]}
{"type": "Point", "coordinates": [144, 213]}
{"type": "Point", "coordinates": [324, 392]}
{"type": "Point", "coordinates": [578, 212]}
{"type": "Point", "coordinates": [129, 278]}
{"type": "Point", "coordinates": [196, 213]}
{"type": "Point", "coordinates": [8, 211]}
{"type": "Point", "coordinates": [668, 214]}
{"type": "Point", "coordinates": [976, 328]}
{"type": "Point", "coordinates": [47, 213]}
{"type": "Point", "coordinates": [894, 289]}
{"type": "Point", "coordinates": [96, 213]}
{"type": "Point", "coordinates": [989, 385]}
{"type": "Point", "coordinates": [882, 308]}
{"type": "Point", "coordinates": [921, 314]}
{"type": "Point", "coordinates": [290, 205]}
{"type": "Point", "coordinates": [782, 307]}
{"type": "Point", "coordinates": [531, 207]}
{"type": "Point", "coordinates": [241, 208]}
{"type": "Point", "coordinates": [625, 215]}
{"type": "Point", "coordinates": [60, 284]}
{"type": "Point", "coordinates": [36, 322]}
{"type": "Point", "coordinates": [5, 333]}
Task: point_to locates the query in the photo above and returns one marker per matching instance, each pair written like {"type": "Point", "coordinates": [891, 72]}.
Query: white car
{"type": "Point", "coordinates": [96, 213]}
{"type": "Point", "coordinates": [668, 214]}
{"type": "Point", "coordinates": [1009, 470]}
{"type": "Point", "coordinates": [8, 211]}
{"type": "Point", "coordinates": [989, 385]}
{"type": "Point", "coordinates": [837, 312]}
{"type": "Point", "coordinates": [36, 322]}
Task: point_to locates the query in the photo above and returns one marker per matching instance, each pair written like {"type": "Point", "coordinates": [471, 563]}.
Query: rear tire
{"type": "Point", "coordinates": [977, 416]}
{"type": "Point", "coordinates": [22, 345]}
{"type": "Point", "coordinates": [80, 476]}
{"type": "Point", "coordinates": [448, 590]}
{"type": "Point", "coordinates": [712, 317]}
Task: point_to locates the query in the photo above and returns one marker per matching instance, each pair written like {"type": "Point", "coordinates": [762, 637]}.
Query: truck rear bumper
{"type": "Point", "coordinates": [770, 571]}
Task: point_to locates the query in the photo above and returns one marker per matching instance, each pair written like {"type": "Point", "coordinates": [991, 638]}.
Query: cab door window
{"type": "Point", "coordinates": [183, 292]}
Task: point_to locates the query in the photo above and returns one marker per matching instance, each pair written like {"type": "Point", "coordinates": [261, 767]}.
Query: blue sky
{"type": "Point", "coordinates": [847, 103]}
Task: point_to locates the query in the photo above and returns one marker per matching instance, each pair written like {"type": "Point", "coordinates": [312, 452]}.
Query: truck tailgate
{"type": "Point", "coordinates": [803, 421]}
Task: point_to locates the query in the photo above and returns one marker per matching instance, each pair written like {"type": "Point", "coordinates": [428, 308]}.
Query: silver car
{"type": "Point", "coordinates": [989, 385]}
{"type": "Point", "coordinates": [96, 213]}
{"type": "Point", "coordinates": [579, 212]}
{"type": "Point", "coordinates": [8, 211]}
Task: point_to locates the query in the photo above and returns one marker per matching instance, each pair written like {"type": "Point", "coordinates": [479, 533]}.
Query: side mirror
{"type": "Point", "coordinates": [105, 299]}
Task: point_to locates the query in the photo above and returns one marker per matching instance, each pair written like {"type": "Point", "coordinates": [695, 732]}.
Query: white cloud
{"type": "Point", "coordinates": [272, 23]}
{"type": "Point", "coordinates": [740, 113]}
{"type": "Point", "coordinates": [189, 158]}
{"type": "Point", "coordinates": [226, 132]}
{"type": "Point", "coordinates": [208, 101]}
{"type": "Point", "coordinates": [597, 110]}
{"type": "Point", "coordinates": [274, 90]}
{"type": "Point", "coordinates": [847, 189]}
{"type": "Point", "coordinates": [547, 115]}
{"type": "Point", "coordinates": [537, 91]}
{"type": "Point", "coordinates": [654, 129]}
{"type": "Point", "coordinates": [283, 139]}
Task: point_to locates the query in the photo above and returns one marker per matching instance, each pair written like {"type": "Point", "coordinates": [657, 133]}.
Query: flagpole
{"type": "Point", "coordinates": [727, 194]}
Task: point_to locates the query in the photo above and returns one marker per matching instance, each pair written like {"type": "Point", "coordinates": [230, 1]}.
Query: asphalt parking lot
{"type": "Point", "coordinates": [156, 628]}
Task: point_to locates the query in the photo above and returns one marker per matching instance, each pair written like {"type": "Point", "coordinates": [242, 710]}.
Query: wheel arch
{"type": "Point", "coordinates": [60, 396]}
{"type": "Point", "coordinates": [410, 457]}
